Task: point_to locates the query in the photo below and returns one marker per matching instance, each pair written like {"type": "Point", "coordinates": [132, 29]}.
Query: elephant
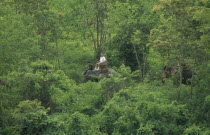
{"type": "Point", "coordinates": [168, 72]}
{"type": "Point", "coordinates": [91, 75]}
{"type": "Point", "coordinates": [187, 73]}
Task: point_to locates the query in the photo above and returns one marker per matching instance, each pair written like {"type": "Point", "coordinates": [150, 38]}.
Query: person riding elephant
{"type": "Point", "coordinates": [90, 67]}
{"type": "Point", "coordinates": [101, 64]}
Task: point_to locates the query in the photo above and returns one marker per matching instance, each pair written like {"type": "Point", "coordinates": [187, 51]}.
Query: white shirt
{"type": "Point", "coordinates": [102, 59]}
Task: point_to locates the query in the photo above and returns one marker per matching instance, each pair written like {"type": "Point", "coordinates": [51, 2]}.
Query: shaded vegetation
{"type": "Point", "coordinates": [45, 47]}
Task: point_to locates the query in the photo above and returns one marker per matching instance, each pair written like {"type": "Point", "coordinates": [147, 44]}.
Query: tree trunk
{"type": "Point", "coordinates": [57, 53]}
{"type": "Point", "coordinates": [137, 58]}
{"type": "Point", "coordinates": [180, 80]}
{"type": "Point", "coordinates": [144, 63]}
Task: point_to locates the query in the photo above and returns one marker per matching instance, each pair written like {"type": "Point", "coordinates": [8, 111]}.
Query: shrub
{"type": "Point", "coordinates": [29, 117]}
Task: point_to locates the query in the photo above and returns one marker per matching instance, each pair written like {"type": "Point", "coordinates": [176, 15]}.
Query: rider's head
{"type": "Point", "coordinates": [101, 54]}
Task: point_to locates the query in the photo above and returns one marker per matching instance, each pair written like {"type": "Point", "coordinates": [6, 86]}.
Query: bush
{"type": "Point", "coordinates": [141, 110]}
{"type": "Point", "coordinates": [29, 117]}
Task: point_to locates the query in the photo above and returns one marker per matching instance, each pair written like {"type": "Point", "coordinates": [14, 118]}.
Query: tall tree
{"type": "Point", "coordinates": [128, 26]}
{"type": "Point", "coordinates": [44, 22]}
{"type": "Point", "coordinates": [18, 38]}
{"type": "Point", "coordinates": [96, 24]}
{"type": "Point", "coordinates": [175, 37]}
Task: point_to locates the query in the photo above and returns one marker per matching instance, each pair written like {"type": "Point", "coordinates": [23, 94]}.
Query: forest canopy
{"type": "Point", "coordinates": [158, 51]}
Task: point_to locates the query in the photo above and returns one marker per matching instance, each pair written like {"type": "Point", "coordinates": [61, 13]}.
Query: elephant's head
{"type": "Point", "coordinates": [187, 73]}
{"type": "Point", "coordinates": [168, 71]}
{"type": "Point", "coordinates": [91, 75]}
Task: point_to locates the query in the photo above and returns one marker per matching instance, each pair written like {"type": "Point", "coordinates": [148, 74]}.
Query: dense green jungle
{"type": "Point", "coordinates": [158, 49]}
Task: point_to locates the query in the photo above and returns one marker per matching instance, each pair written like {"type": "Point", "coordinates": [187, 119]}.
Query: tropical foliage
{"type": "Point", "coordinates": [45, 46]}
